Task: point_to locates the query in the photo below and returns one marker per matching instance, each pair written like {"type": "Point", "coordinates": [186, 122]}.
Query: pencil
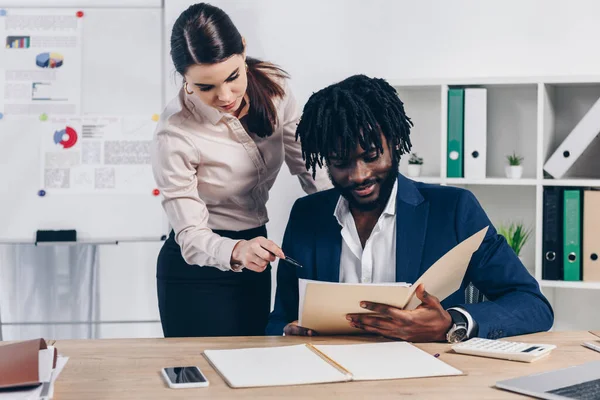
{"type": "Point", "coordinates": [329, 360]}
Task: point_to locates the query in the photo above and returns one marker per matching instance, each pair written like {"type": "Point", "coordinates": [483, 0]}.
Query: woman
{"type": "Point", "coordinates": [216, 153]}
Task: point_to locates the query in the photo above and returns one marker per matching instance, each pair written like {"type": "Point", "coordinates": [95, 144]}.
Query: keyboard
{"type": "Point", "coordinates": [589, 390]}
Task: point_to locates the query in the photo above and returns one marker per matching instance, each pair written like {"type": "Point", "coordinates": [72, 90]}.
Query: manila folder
{"type": "Point", "coordinates": [323, 305]}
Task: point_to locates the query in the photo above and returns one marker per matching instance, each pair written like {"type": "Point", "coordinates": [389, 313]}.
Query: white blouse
{"type": "Point", "coordinates": [214, 175]}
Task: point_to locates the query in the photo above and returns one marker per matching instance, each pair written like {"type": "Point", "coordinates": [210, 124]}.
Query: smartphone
{"type": "Point", "coordinates": [184, 377]}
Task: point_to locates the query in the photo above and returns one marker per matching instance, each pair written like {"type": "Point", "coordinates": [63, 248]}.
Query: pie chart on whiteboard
{"type": "Point", "coordinates": [66, 137]}
{"type": "Point", "coordinates": [49, 60]}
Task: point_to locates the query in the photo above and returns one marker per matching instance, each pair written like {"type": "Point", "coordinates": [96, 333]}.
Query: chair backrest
{"type": "Point", "coordinates": [473, 295]}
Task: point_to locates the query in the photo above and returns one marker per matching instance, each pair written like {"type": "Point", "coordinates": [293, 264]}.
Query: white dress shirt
{"type": "Point", "coordinates": [376, 263]}
{"type": "Point", "coordinates": [214, 175]}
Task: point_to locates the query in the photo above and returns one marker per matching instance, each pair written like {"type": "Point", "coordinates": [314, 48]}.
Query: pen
{"type": "Point", "coordinates": [292, 261]}
{"type": "Point", "coordinates": [288, 259]}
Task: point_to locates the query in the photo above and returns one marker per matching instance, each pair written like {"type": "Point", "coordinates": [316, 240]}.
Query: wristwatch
{"type": "Point", "coordinates": [459, 329]}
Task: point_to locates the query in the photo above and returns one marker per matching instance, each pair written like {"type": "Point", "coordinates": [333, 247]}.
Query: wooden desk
{"type": "Point", "coordinates": [130, 369]}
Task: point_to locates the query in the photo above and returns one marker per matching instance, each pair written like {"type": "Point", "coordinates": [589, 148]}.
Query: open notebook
{"type": "Point", "coordinates": [309, 364]}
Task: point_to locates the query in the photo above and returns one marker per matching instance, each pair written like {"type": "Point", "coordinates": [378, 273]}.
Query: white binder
{"type": "Point", "coordinates": [575, 144]}
{"type": "Point", "coordinates": [475, 133]}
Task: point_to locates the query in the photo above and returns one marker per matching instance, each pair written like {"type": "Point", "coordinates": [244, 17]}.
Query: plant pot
{"type": "Point", "coordinates": [414, 170]}
{"type": "Point", "coordinates": [514, 171]}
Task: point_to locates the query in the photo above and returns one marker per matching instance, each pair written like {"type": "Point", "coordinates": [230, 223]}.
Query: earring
{"type": "Point", "coordinates": [247, 67]}
{"type": "Point", "coordinates": [185, 87]}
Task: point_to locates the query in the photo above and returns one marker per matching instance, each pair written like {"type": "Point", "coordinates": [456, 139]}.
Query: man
{"type": "Point", "coordinates": [378, 226]}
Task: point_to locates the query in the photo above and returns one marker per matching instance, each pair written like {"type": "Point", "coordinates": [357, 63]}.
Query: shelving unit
{"type": "Point", "coordinates": [531, 116]}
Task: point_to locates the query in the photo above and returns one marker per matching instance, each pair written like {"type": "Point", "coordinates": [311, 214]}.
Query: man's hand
{"type": "Point", "coordinates": [293, 329]}
{"type": "Point", "coordinates": [427, 323]}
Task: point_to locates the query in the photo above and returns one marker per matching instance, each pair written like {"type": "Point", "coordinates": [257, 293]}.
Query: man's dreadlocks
{"type": "Point", "coordinates": [351, 112]}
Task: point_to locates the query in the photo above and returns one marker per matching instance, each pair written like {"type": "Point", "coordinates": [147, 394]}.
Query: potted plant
{"type": "Point", "coordinates": [414, 165]}
{"type": "Point", "coordinates": [516, 236]}
{"type": "Point", "coordinates": [514, 169]}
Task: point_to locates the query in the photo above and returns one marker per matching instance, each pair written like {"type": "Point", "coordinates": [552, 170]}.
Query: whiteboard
{"type": "Point", "coordinates": [121, 76]}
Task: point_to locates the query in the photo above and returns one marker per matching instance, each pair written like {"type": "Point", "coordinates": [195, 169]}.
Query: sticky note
{"type": "Point", "coordinates": [2, 13]}
{"type": "Point", "coordinates": [1, 115]}
{"type": "Point", "coordinates": [44, 117]}
{"type": "Point", "coordinates": [155, 117]}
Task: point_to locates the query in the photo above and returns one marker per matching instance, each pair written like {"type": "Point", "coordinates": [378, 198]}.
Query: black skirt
{"type": "Point", "coordinates": [205, 301]}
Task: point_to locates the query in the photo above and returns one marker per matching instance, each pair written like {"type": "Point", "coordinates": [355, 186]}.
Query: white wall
{"type": "Point", "coordinates": [320, 42]}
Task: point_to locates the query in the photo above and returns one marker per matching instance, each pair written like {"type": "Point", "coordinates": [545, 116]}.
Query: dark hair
{"type": "Point", "coordinates": [204, 34]}
{"type": "Point", "coordinates": [353, 111]}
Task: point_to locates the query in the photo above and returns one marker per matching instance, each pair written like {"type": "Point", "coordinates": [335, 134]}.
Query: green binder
{"type": "Point", "coordinates": [572, 235]}
{"type": "Point", "coordinates": [456, 123]}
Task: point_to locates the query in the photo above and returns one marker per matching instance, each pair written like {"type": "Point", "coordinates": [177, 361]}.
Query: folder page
{"type": "Point", "coordinates": [323, 305]}
{"type": "Point", "coordinates": [445, 276]}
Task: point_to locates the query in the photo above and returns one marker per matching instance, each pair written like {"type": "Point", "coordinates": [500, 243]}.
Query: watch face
{"type": "Point", "coordinates": [457, 335]}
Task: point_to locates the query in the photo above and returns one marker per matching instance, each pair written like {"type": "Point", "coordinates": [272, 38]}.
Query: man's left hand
{"type": "Point", "coordinates": [429, 322]}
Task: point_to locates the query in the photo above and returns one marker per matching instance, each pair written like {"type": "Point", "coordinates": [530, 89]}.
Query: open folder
{"type": "Point", "coordinates": [309, 364]}
{"type": "Point", "coordinates": [323, 305]}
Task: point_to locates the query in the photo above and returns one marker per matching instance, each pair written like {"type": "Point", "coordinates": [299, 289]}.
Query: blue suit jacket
{"type": "Point", "coordinates": [431, 220]}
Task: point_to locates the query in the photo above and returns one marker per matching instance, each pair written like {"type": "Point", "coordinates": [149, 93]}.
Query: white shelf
{"type": "Point", "coordinates": [571, 284]}
{"type": "Point", "coordinates": [427, 179]}
{"type": "Point", "coordinates": [527, 115]}
{"type": "Point", "coordinates": [482, 182]}
{"type": "Point", "coordinates": [572, 182]}
{"type": "Point", "coordinates": [485, 80]}
{"type": "Point", "coordinates": [491, 181]}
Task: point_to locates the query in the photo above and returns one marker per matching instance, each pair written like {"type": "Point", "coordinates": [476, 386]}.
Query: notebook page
{"type": "Point", "coordinates": [394, 360]}
{"type": "Point", "coordinates": [273, 366]}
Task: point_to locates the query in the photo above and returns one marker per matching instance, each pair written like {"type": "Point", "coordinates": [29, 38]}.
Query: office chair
{"type": "Point", "coordinates": [473, 295]}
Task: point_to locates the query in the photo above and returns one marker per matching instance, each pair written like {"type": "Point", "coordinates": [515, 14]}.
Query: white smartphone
{"type": "Point", "coordinates": [184, 377]}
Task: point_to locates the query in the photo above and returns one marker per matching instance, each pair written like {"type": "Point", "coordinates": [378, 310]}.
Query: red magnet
{"type": "Point", "coordinates": [80, 14]}
{"type": "Point", "coordinates": [156, 192]}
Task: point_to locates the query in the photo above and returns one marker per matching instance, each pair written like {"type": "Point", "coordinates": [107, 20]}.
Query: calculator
{"type": "Point", "coordinates": [513, 351]}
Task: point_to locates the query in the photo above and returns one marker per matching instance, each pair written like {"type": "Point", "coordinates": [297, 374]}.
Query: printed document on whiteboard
{"type": "Point", "coordinates": [97, 154]}
{"type": "Point", "coordinates": [40, 61]}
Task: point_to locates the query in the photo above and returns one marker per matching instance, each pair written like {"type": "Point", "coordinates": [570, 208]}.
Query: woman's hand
{"type": "Point", "coordinates": [255, 254]}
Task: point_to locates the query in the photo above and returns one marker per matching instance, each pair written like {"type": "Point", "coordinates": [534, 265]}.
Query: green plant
{"type": "Point", "coordinates": [415, 159]}
{"type": "Point", "coordinates": [514, 159]}
{"type": "Point", "coordinates": [516, 235]}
